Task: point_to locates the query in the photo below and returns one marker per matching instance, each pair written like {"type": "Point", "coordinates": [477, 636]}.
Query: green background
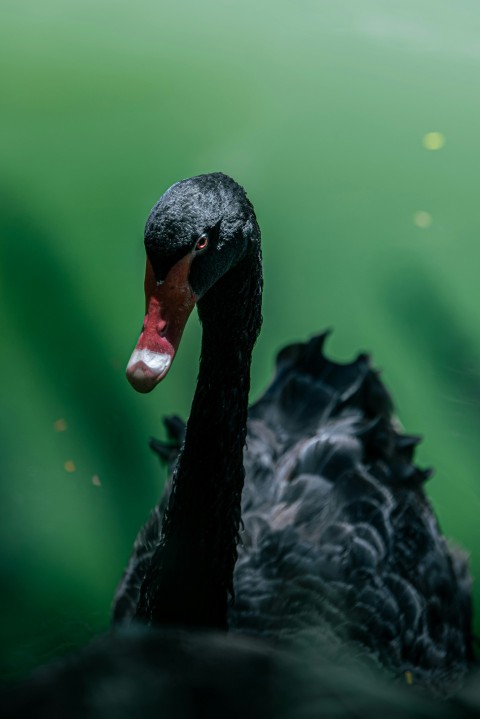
{"type": "Point", "coordinates": [319, 108]}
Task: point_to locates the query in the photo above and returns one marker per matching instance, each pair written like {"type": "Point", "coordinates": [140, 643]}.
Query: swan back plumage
{"type": "Point", "coordinates": [339, 537]}
{"type": "Point", "coordinates": [340, 542]}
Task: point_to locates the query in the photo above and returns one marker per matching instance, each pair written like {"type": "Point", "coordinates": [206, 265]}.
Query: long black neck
{"type": "Point", "coordinates": [190, 578]}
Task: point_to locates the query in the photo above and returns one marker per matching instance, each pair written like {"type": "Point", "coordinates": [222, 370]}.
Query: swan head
{"type": "Point", "coordinates": [198, 230]}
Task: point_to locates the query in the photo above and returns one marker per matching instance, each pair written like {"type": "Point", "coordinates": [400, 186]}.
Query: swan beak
{"type": "Point", "coordinates": [168, 307]}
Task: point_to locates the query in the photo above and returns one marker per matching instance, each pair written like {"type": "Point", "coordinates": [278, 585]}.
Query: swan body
{"type": "Point", "coordinates": [338, 549]}
{"type": "Point", "coordinates": [339, 541]}
{"type": "Point", "coordinates": [339, 536]}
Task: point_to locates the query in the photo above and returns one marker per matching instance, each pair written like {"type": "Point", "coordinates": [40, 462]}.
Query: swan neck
{"type": "Point", "coordinates": [195, 561]}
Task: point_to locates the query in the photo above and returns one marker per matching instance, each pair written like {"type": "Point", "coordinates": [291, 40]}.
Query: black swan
{"type": "Point", "coordinates": [334, 535]}
{"type": "Point", "coordinates": [330, 493]}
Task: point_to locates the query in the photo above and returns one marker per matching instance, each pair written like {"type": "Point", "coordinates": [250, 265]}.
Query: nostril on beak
{"type": "Point", "coordinates": [162, 328]}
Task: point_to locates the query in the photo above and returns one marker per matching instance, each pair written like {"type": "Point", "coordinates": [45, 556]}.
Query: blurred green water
{"type": "Point", "coordinates": [320, 110]}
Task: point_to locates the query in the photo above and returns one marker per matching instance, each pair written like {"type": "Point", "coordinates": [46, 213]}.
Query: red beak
{"type": "Point", "coordinates": [168, 306]}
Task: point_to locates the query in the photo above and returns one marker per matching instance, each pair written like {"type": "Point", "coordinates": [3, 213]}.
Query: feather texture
{"type": "Point", "coordinates": [339, 539]}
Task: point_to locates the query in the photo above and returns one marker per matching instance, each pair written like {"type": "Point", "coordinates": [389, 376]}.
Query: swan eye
{"type": "Point", "coordinates": [202, 243]}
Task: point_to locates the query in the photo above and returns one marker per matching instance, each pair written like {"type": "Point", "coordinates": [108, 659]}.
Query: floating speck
{"type": "Point", "coordinates": [409, 677]}
{"type": "Point", "coordinates": [96, 480]}
{"type": "Point", "coordinates": [422, 219]}
{"type": "Point", "coordinates": [60, 425]}
{"type": "Point", "coordinates": [433, 140]}
{"type": "Point", "coordinates": [69, 466]}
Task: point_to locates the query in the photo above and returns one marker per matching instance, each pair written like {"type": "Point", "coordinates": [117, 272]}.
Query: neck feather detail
{"type": "Point", "coordinates": [190, 579]}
